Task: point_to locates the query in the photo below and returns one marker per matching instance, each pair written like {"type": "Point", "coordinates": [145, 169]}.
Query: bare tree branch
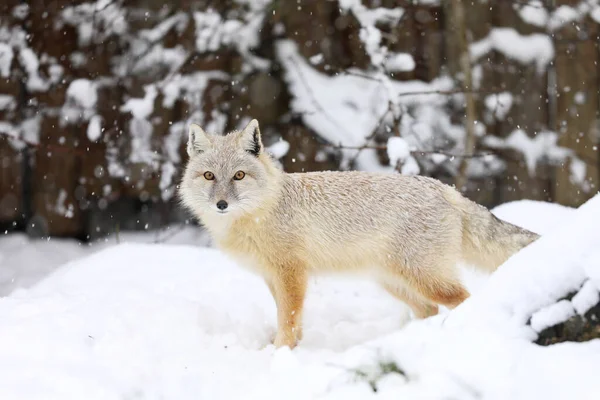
{"type": "Point", "coordinates": [414, 152]}
{"type": "Point", "coordinates": [374, 132]}
{"type": "Point", "coordinates": [466, 91]}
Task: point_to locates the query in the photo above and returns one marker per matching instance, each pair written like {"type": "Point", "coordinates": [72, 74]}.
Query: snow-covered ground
{"type": "Point", "coordinates": [181, 321]}
{"type": "Point", "coordinates": [24, 262]}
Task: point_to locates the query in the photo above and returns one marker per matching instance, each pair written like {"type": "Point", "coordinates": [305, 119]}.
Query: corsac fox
{"type": "Point", "coordinates": [407, 232]}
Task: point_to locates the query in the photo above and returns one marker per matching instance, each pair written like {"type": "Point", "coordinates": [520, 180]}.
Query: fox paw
{"type": "Point", "coordinates": [284, 340]}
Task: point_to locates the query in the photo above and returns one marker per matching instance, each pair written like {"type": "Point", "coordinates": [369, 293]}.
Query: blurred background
{"type": "Point", "coordinates": [498, 97]}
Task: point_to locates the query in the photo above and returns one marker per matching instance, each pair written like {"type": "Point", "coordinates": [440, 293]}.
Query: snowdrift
{"type": "Point", "coordinates": [143, 321]}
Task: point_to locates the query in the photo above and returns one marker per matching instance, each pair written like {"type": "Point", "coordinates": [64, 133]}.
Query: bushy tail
{"type": "Point", "coordinates": [487, 242]}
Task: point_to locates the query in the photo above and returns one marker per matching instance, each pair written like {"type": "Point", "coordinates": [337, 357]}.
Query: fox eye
{"type": "Point", "coordinates": [209, 176]}
{"type": "Point", "coordinates": [239, 175]}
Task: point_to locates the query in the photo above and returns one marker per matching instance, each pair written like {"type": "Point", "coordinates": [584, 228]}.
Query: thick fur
{"type": "Point", "coordinates": [407, 232]}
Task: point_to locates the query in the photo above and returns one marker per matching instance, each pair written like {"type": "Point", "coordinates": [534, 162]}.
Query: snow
{"type": "Point", "coordinates": [189, 88]}
{"type": "Point", "coordinates": [586, 298]}
{"type": "Point", "coordinates": [140, 320]}
{"type": "Point", "coordinates": [565, 15]}
{"type": "Point", "coordinates": [578, 170]}
{"type": "Point", "coordinates": [6, 57]}
{"type": "Point", "coordinates": [55, 73]}
{"type": "Point", "coordinates": [595, 14]}
{"type": "Point", "coordinates": [62, 209]}
{"type": "Point", "coordinates": [499, 104]}
{"type": "Point", "coordinates": [141, 108]}
{"type": "Point", "coordinates": [7, 102]}
{"type": "Point", "coordinates": [329, 104]}
{"type": "Point", "coordinates": [95, 20]}
{"type": "Point", "coordinates": [176, 332]}
{"type": "Point", "coordinates": [439, 158]}
{"type": "Point", "coordinates": [279, 149]}
{"type": "Point", "coordinates": [26, 132]}
{"type": "Point", "coordinates": [141, 148]}
{"type": "Point", "coordinates": [208, 37]}
{"type": "Point", "coordinates": [178, 21]}
{"type": "Point", "coordinates": [31, 64]}
{"type": "Point", "coordinates": [213, 32]}
{"type": "Point", "coordinates": [491, 325]}
{"type": "Point", "coordinates": [167, 174]}
{"type": "Point", "coordinates": [552, 315]}
{"type": "Point", "coordinates": [548, 269]}
{"type": "Point", "coordinates": [543, 146]}
{"type": "Point", "coordinates": [561, 16]}
{"type": "Point", "coordinates": [21, 11]}
{"type": "Point", "coordinates": [540, 216]}
{"type": "Point", "coordinates": [172, 143]}
{"type": "Point", "coordinates": [534, 13]}
{"type": "Point", "coordinates": [371, 36]}
{"type": "Point", "coordinates": [399, 62]}
{"type": "Point", "coordinates": [30, 129]}
{"type": "Point", "coordinates": [8, 129]}
{"type": "Point", "coordinates": [158, 55]}
{"type": "Point", "coordinates": [82, 96]}
{"type": "Point", "coordinates": [579, 98]}
{"type": "Point", "coordinates": [94, 130]}
{"type": "Point", "coordinates": [255, 5]}
{"type": "Point", "coordinates": [24, 261]}
{"type": "Point", "coordinates": [174, 140]}
{"type": "Point", "coordinates": [397, 150]}
{"type": "Point", "coordinates": [527, 49]}
{"type": "Point", "coordinates": [371, 16]}
{"type": "Point", "coordinates": [83, 92]}
{"type": "Point", "coordinates": [410, 167]}
{"type": "Point", "coordinates": [477, 75]}
{"type": "Point", "coordinates": [317, 59]}
{"type": "Point", "coordinates": [186, 87]}
{"type": "Point", "coordinates": [534, 149]}
{"type": "Point", "coordinates": [348, 126]}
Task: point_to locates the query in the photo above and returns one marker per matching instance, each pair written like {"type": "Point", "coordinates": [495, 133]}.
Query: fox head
{"type": "Point", "coordinates": [227, 175]}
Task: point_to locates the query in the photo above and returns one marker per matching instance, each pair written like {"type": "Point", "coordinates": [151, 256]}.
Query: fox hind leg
{"type": "Point", "coordinates": [438, 286]}
{"type": "Point", "coordinates": [421, 307]}
{"type": "Point", "coordinates": [437, 283]}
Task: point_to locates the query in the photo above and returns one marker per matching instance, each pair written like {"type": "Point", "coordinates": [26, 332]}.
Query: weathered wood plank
{"type": "Point", "coordinates": [54, 174]}
{"type": "Point", "coordinates": [11, 158]}
{"type": "Point", "coordinates": [577, 110]}
{"type": "Point", "coordinates": [524, 89]}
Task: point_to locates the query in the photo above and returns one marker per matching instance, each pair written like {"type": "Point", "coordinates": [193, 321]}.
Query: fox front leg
{"type": "Point", "coordinates": [298, 330]}
{"type": "Point", "coordinates": [289, 289]}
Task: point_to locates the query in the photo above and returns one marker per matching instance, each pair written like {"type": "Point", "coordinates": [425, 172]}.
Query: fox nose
{"type": "Point", "coordinates": [221, 205]}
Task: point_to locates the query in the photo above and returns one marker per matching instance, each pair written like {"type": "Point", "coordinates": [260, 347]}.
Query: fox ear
{"type": "Point", "coordinates": [250, 138]}
{"type": "Point", "coordinates": [198, 140]}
